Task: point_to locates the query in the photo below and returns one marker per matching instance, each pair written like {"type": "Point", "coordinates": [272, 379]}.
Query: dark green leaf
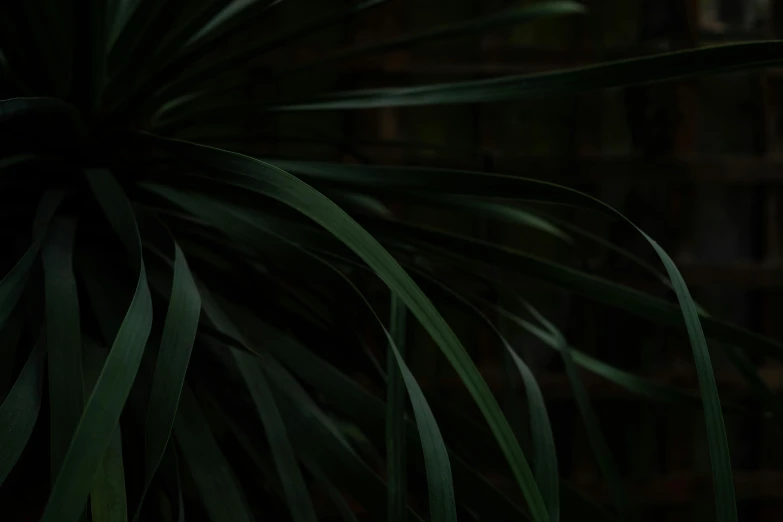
{"type": "Point", "coordinates": [627, 380]}
{"type": "Point", "coordinates": [20, 409]}
{"type": "Point", "coordinates": [183, 75]}
{"type": "Point", "coordinates": [294, 486]}
{"type": "Point", "coordinates": [13, 283]}
{"type": "Point", "coordinates": [395, 417]}
{"type": "Point", "coordinates": [657, 68]}
{"type": "Point", "coordinates": [106, 402]}
{"type": "Point", "coordinates": [9, 344]}
{"type": "Point", "coordinates": [216, 484]}
{"type": "Point", "coordinates": [720, 460]}
{"type": "Point", "coordinates": [254, 175]}
{"type": "Point", "coordinates": [179, 333]}
{"type": "Point", "coordinates": [515, 15]}
{"type": "Point", "coordinates": [597, 441]}
{"type": "Point", "coordinates": [107, 497]}
{"type": "Point", "coordinates": [63, 337]}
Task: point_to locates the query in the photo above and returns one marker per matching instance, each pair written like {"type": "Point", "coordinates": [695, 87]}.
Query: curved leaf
{"type": "Point", "coordinates": [395, 417]}
{"type": "Point", "coordinates": [107, 497]}
{"type": "Point", "coordinates": [254, 175]}
{"type": "Point", "coordinates": [179, 333]}
{"type": "Point", "coordinates": [63, 337]}
{"type": "Point", "coordinates": [294, 485]}
{"type": "Point", "coordinates": [515, 15]}
{"type": "Point", "coordinates": [19, 411]}
{"type": "Point", "coordinates": [102, 411]}
{"type": "Point", "coordinates": [597, 441]}
{"type": "Point", "coordinates": [635, 71]}
{"type": "Point", "coordinates": [214, 480]}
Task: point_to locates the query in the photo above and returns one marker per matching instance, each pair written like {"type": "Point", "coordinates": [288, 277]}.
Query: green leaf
{"type": "Point", "coordinates": [173, 508]}
{"type": "Point", "coordinates": [597, 441]}
{"type": "Point", "coordinates": [317, 441]}
{"type": "Point", "coordinates": [117, 14]}
{"type": "Point", "coordinates": [9, 344]}
{"type": "Point", "coordinates": [720, 459]}
{"type": "Point", "coordinates": [35, 124]}
{"type": "Point", "coordinates": [635, 71]}
{"type": "Point", "coordinates": [545, 456]}
{"type": "Point", "coordinates": [350, 398]}
{"type": "Point", "coordinates": [19, 411]}
{"type": "Point", "coordinates": [395, 417]}
{"type": "Point", "coordinates": [294, 485]}
{"type": "Point", "coordinates": [254, 175]}
{"type": "Point", "coordinates": [182, 75]}
{"type": "Point", "coordinates": [719, 453]}
{"type": "Point", "coordinates": [139, 16]}
{"type": "Point", "coordinates": [232, 19]}
{"type": "Point", "coordinates": [515, 15]}
{"type": "Point", "coordinates": [436, 458]}
{"type": "Point", "coordinates": [13, 283]}
{"type": "Point", "coordinates": [176, 345]}
{"type": "Point", "coordinates": [626, 380]}
{"type": "Point", "coordinates": [216, 484]}
{"type": "Point", "coordinates": [63, 337]}
{"type": "Point", "coordinates": [107, 497]}
{"type": "Point", "coordinates": [442, 502]}
{"type": "Point", "coordinates": [462, 249]}
{"type": "Point", "coordinates": [102, 412]}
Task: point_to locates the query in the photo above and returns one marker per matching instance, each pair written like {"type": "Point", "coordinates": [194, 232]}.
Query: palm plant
{"type": "Point", "coordinates": [187, 309]}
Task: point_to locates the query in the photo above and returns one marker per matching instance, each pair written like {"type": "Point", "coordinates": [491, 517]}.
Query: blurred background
{"type": "Point", "coordinates": [697, 164]}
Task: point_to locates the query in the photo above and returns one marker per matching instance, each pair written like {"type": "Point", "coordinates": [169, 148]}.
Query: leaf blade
{"type": "Point", "coordinates": [63, 336]}
{"type": "Point", "coordinates": [176, 345]}
{"type": "Point", "coordinates": [211, 472]}
{"type": "Point", "coordinates": [107, 496]}
{"type": "Point", "coordinates": [19, 411]}
{"type": "Point", "coordinates": [635, 71]}
{"type": "Point", "coordinates": [395, 417]}
{"type": "Point", "coordinates": [289, 190]}
{"type": "Point", "coordinates": [102, 412]}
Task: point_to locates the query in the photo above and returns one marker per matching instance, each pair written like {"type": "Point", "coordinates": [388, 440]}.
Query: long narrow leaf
{"type": "Point", "coordinates": [513, 16]}
{"type": "Point", "coordinates": [107, 497]}
{"type": "Point", "coordinates": [294, 486]}
{"type": "Point", "coordinates": [251, 174]}
{"type": "Point", "coordinates": [13, 283]}
{"type": "Point", "coordinates": [597, 441]}
{"type": "Point", "coordinates": [9, 344]}
{"type": "Point", "coordinates": [106, 402]}
{"type": "Point", "coordinates": [395, 417]}
{"type": "Point", "coordinates": [720, 459]}
{"type": "Point", "coordinates": [719, 452]}
{"type": "Point", "coordinates": [436, 458]}
{"type": "Point", "coordinates": [63, 337]}
{"type": "Point", "coordinates": [626, 380]}
{"type": "Point", "coordinates": [657, 68]}
{"type": "Point", "coordinates": [19, 411]}
{"type": "Point", "coordinates": [215, 482]}
{"type": "Point", "coordinates": [179, 333]}
{"type": "Point", "coordinates": [182, 75]}
{"type": "Point", "coordinates": [545, 456]}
